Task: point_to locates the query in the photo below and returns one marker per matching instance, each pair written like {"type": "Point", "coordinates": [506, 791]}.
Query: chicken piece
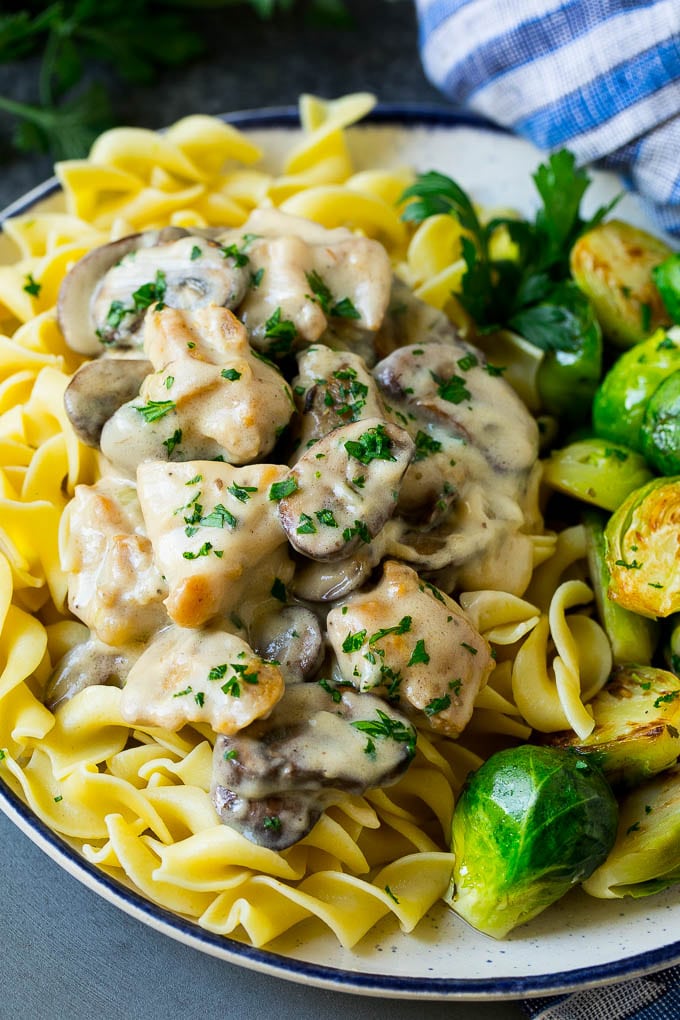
{"type": "Point", "coordinates": [209, 391]}
{"type": "Point", "coordinates": [345, 487]}
{"type": "Point", "coordinates": [332, 388]}
{"type": "Point", "coordinates": [204, 676]}
{"type": "Point", "coordinates": [307, 277]}
{"type": "Point", "coordinates": [216, 535]}
{"type": "Point", "coordinates": [114, 586]}
{"type": "Point", "coordinates": [272, 781]}
{"type": "Point", "coordinates": [409, 641]}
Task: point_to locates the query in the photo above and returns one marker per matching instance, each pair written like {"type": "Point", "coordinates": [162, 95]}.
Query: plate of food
{"type": "Point", "coordinates": [338, 549]}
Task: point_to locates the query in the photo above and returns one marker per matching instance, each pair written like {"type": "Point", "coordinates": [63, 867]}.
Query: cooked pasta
{"type": "Point", "coordinates": [134, 797]}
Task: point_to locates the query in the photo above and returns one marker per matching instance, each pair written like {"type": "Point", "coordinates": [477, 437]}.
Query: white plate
{"type": "Point", "coordinates": [579, 942]}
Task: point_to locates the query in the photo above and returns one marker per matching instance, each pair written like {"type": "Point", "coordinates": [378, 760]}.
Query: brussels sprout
{"type": "Point", "coordinates": [633, 637]}
{"type": "Point", "coordinates": [596, 471]}
{"type": "Point", "coordinates": [612, 264]}
{"type": "Point", "coordinates": [660, 429]}
{"type": "Point", "coordinates": [671, 648]}
{"type": "Point", "coordinates": [529, 824]}
{"type": "Point", "coordinates": [645, 858]}
{"type": "Point", "coordinates": [620, 402]}
{"type": "Point", "coordinates": [643, 550]}
{"type": "Point", "coordinates": [667, 279]}
{"type": "Point", "coordinates": [637, 720]}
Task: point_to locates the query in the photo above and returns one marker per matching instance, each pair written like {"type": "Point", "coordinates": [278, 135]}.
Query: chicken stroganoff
{"type": "Point", "coordinates": [290, 476]}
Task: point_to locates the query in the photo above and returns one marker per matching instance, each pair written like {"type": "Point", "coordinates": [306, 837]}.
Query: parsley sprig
{"type": "Point", "coordinates": [531, 293]}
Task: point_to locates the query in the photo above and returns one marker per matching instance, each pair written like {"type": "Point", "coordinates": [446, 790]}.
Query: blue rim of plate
{"type": "Point", "coordinates": [238, 953]}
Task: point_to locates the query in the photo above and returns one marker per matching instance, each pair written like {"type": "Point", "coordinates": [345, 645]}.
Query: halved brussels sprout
{"type": "Point", "coordinates": [637, 725]}
{"type": "Point", "coordinates": [530, 823]}
{"type": "Point", "coordinates": [643, 549]}
{"type": "Point", "coordinates": [660, 429]}
{"type": "Point", "coordinates": [620, 402]}
{"type": "Point", "coordinates": [633, 638]}
{"type": "Point", "coordinates": [645, 858]}
{"type": "Point", "coordinates": [667, 279]}
{"type": "Point", "coordinates": [596, 471]}
{"type": "Point", "coordinates": [612, 264]}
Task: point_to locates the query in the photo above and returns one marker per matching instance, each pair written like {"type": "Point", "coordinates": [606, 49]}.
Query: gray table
{"type": "Point", "coordinates": [65, 952]}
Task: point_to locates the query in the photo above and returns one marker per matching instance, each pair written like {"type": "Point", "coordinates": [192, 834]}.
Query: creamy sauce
{"type": "Point", "coordinates": [270, 536]}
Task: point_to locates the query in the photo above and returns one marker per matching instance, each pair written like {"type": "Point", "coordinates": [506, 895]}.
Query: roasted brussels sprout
{"type": "Point", "coordinates": [596, 471]}
{"type": "Point", "coordinates": [667, 279]}
{"type": "Point", "coordinates": [633, 638]}
{"type": "Point", "coordinates": [671, 646]}
{"type": "Point", "coordinates": [637, 725]}
{"type": "Point", "coordinates": [645, 858]}
{"type": "Point", "coordinates": [660, 429]}
{"type": "Point", "coordinates": [612, 264]}
{"type": "Point", "coordinates": [643, 551]}
{"type": "Point", "coordinates": [530, 823]}
{"type": "Point", "coordinates": [621, 400]}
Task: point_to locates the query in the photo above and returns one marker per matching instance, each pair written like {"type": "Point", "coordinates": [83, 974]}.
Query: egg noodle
{"type": "Point", "coordinates": [135, 800]}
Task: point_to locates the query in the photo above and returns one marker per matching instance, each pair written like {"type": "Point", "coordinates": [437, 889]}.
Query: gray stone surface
{"type": "Point", "coordinates": [250, 63]}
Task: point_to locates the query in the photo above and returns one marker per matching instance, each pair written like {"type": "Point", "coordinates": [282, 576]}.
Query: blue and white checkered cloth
{"type": "Point", "coordinates": [600, 77]}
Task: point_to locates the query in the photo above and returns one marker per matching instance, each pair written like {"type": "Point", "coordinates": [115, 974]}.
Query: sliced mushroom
{"type": "Point", "coordinates": [408, 320]}
{"type": "Point", "coordinates": [104, 299]}
{"type": "Point", "coordinates": [98, 389]}
{"type": "Point", "coordinates": [409, 641]}
{"type": "Point", "coordinates": [86, 665]}
{"type": "Point", "coordinates": [272, 781]}
{"type": "Point", "coordinates": [292, 637]}
{"type": "Point", "coordinates": [75, 295]}
{"type": "Point", "coordinates": [346, 487]}
{"type": "Point", "coordinates": [316, 581]}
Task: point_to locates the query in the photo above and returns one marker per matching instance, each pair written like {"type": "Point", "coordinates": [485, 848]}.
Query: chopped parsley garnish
{"type": "Point", "coordinates": [231, 374]}
{"type": "Point", "coordinates": [272, 822]}
{"type": "Point", "coordinates": [434, 591]}
{"type": "Point", "coordinates": [232, 251]}
{"type": "Point", "coordinates": [282, 331]}
{"type": "Point", "coordinates": [633, 565]}
{"type": "Point", "coordinates": [321, 291]}
{"type": "Point", "coordinates": [468, 362]}
{"type": "Point", "coordinates": [169, 380]}
{"type": "Point", "coordinates": [633, 828]}
{"type": "Point", "coordinates": [326, 517]}
{"type": "Point", "coordinates": [172, 441]}
{"type": "Point", "coordinates": [456, 686]}
{"type": "Point", "coordinates": [219, 518]}
{"type": "Point", "coordinates": [241, 492]}
{"type": "Point", "coordinates": [199, 698]}
{"type": "Point", "coordinates": [665, 699]}
{"type": "Point", "coordinates": [419, 654]}
{"type": "Point", "coordinates": [333, 691]}
{"type": "Point", "coordinates": [256, 278]}
{"type": "Point", "coordinates": [306, 525]}
{"type": "Point", "coordinates": [195, 480]}
{"type": "Point", "coordinates": [280, 490]}
{"type": "Point", "coordinates": [32, 286]}
{"type": "Point", "coordinates": [203, 551]}
{"type": "Point", "coordinates": [437, 705]}
{"type": "Point", "coordinates": [231, 755]}
{"type": "Point", "coordinates": [155, 409]}
{"type": "Point", "coordinates": [116, 313]}
{"type": "Point", "coordinates": [391, 894]}
{"type": "Point", "coordinates": [426, 445]}
{"type": "Point", "coordinates": [196, 253]}
{"type": "Point", "coordinates": [403, 627]}
{"type": "Point", "coordinates": [182, 694]}
{"type": "Point", "coordinates": [278, 590]}
{"type": "Point", "coordinates": [386, 727]}
{"type": "Point", "coordinates": [218, 672]}
{"type": "Point", "coordinates": [470, 648]}
{"type": "Point", "coordinates": [374, 444]}
{"type": "Point", "coordinates": [353, 642]}
{"type": "Point", "coordinates": [358, 528]}
{"type": "Point", "coordinates": [344, 309]}
{"type": "Point", "coordinates": [149, 293]}
{"type": "Point", "coordinates": [452, 389]}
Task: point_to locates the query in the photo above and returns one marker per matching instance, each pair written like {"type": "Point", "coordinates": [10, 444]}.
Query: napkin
{"type": "Point", "coordinates": [654, 997]}
{"type": "Point", "coordinates": [600, 77]}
